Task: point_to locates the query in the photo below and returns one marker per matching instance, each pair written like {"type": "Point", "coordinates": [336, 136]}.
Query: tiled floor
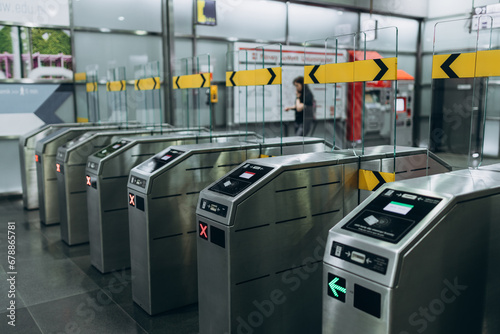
{"type": "Point", "coordinates": [58, 291]}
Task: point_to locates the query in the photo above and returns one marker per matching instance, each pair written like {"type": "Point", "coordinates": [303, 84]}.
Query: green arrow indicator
{"type": "Point", "coordinates": [336, 287]}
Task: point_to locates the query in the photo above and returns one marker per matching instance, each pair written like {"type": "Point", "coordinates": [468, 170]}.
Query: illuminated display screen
{"type": "Point", "coordinates": [400, 208]}
{"type": "Point", "coordinates": [247, 175]}
{"type": "Point", "coordinates": [400, 104]}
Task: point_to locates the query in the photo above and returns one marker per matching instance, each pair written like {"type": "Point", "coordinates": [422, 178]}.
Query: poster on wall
{"type": "Point", "coordinates": [263, 102]}
{"type": "Point", "coordinates": [52, 12]}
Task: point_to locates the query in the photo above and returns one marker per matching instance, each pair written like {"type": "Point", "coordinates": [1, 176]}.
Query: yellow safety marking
{"type": "Point", "coordinates": [372, 180]}
{"type": "Point", "coordinates": [455, 65]}
{"type": "Point", "coordinates": [91, 87]}
{"type": "Point", "coordinates": [201, 80]}
{"type": "Point", "coordinates": [82, 76]}
{"type": "Point", "coordinates": [214, 94]}
{"type": "Point", "coordinates": [265, 156]}
{"type": "Point", "coordinates": [260, 77]}
{"type": "Point", "coordinates": [147, 84]}
{"type": "Point", "coordinates": [82, 120]}
{"type": "Point", "coordinates": [363, 70]}
{"type": "Point", "coordinates": [376, 69]}
{"type": "Point", "coordinates": [329, 73]}
{"type": "Point", "coordinates": [488, 63]}
{"type": "Point", "coordinates": [116, 86]}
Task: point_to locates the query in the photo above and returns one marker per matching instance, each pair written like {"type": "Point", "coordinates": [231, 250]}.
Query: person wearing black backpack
{"type": "Point", "coordinates": [304, 107]}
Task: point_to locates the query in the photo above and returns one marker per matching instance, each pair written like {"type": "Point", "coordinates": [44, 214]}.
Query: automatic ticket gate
{"type": "Point", "coordinates": [418, 256]}
{"type": "Point", "coordinates": [70, 167]}
{"type": "Point", "coordinates": [261, 233]}
{"type": "Point", "coordinates": [27, 145]}
{"type": "Point", "coordinates": [45, 157]}
{"type": "Point", "coordinates": [163, 192]}
{"type": "Point", "coordinates": [107, 174]}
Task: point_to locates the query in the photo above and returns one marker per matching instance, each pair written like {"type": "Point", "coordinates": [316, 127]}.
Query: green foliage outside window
{"type": "Point", "coordinates": [50, 41]}
{"type": "Point", "coordinates": [5, 40]}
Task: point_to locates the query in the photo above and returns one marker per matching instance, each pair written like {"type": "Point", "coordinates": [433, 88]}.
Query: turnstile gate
{"type": "Point", "coordinates": [261, 233]}
{"type": "Point", "coordinates": [70, 167]}
{"type": "Point", "coordinates": [27, 144]}
{"type": "Point", "coordinates": [45, 157]}
{"type": "Point", "coordinates": [107, 172]}
{"type": "Point", "coordinates": [163, 192]}
{"type": "Point", "coordinates": [418, 256]}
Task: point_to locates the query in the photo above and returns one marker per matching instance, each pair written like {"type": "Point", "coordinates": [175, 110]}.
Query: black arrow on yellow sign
{"type": "Point", "coordinates": [231, 78]}
{"type": "Point", "coordinates": [147, 84]}
{"type": "Point", "coordinates": [273, 76]}
{"type": "Point", "coordinates": [446, 65]}
{"type": "Point", "coordinates": [177, 82]}
{"type": "Point", "coordinates": [380, 179]}
{"type": "Point", "coordinates": [312, 74]}
{"type": "Point", "coordinates": [204, 80]}
{"type": "Point", "coordinates": [372, 180]}
{"type": "Point", "coordinates": [383, 69]}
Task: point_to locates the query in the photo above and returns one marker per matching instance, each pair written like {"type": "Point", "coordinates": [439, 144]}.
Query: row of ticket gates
{"type": "Point", "coordinates": [283, 244]}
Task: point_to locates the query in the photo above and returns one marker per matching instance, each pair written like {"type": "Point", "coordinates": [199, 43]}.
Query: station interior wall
{"type": "Point", "coordinates": [99, 37]}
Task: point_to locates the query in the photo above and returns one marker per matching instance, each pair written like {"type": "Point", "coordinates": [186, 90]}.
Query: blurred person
{"type": "Point", "coordinates": [304, 107]}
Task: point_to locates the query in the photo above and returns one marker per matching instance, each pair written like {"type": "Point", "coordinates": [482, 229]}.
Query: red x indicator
{"type": "Point", "coordinates": [88, 180]}
{"type": "Point", "coordinates": [37, 159]}
{"type": "Point", "coordinates": [58, 168]}
{"type": "Point", "coordinates": [131, 199]}
{"type": "Point", "coordinates": [203, 230]}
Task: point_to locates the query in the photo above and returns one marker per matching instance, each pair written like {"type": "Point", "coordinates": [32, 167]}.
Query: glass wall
{"type": "Point", "coordinates": [118, 14]}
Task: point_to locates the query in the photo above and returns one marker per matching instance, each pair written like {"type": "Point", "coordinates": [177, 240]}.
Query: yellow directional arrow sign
{"type": "Point", "coordinates": [455, 65]}
{"type": "Point", "coordinates": [116, 86]}
{"type": "Point", "coordinates": [466, 65]}
{"type": "Point", "coordinates": [260, 77]}
{"type": "Point", "coordinates": [376, 69]}
{"type": "Point", "coordinates": [372, 180]}
{"type": "Point", "coordinates": [147, 84]}
{"type": "Point", "coordinates": [91, 87]}
{"type": "Point", "coordinates": [329, 73]}
{"type": "Point", "coordinates": [192, 81]}
{"type": "Point", "coordinates": [363, 70]}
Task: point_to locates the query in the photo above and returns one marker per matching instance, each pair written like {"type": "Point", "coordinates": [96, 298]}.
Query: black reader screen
{"type": "Point", "coordinates": [392, 215]}
{"type": "Point", "coordinates": [111, 148]}
{"type": "Point", "coordinates": [160, 160]}
{"type": "Point", "coordinates": [240, 179]}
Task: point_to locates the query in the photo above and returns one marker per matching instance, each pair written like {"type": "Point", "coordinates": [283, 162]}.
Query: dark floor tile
{"type": "Point", "coordinates": [30, 246]}
{"type": "Point", "coordinates": [45, 280]}
{"type": "Point", "coordinates": [91, 312]}
{"type": "Point", "coordinates": [24, 324]}
{"type": "Point", "coordinates": [181, 321]}
{"type": "Point", "coordinates": [51, 232]}
{"type": "Point", "coordinates": [75, 251]}
{"type": "Point", "coordinates": [117, 277]}
{"type": "Point", "coordinates": [5, 292]}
